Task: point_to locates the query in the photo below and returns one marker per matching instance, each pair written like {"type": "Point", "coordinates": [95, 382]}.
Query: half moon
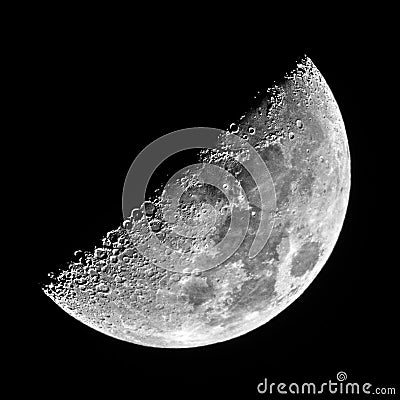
{"type": "Point", "coordinates": [299, 133]}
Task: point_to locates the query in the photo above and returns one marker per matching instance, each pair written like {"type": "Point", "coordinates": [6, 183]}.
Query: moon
{"type": "Point", "coordinates": [127, 293]}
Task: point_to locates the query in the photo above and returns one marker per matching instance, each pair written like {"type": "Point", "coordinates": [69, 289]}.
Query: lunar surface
{"type": "Point", "coordinates": [123, 291]}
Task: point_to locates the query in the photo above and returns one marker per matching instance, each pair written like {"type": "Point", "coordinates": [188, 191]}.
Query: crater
{"type": "Point", "coordinates": [197, 291]}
